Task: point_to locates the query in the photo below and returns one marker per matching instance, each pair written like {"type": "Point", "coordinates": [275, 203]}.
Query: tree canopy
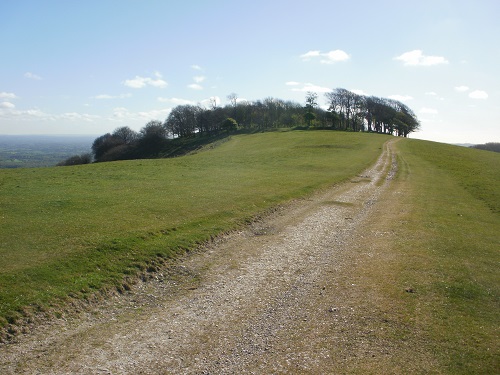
{"type": "Point", "coordinates": [369, 113]}
{"type": "Point", "coordinates": [345, 111]}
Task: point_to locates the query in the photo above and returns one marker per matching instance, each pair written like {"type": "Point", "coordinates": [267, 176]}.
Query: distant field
{"type": "Point", "coordinates": [74, 230]}
{"type": "Point", "coordinates": [28, 151]}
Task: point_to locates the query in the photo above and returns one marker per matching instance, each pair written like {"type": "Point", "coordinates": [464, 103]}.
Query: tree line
{"type": "Point", "coordinates": [346, 111]}
{"type": "Point", "coordinates": [490, 146]}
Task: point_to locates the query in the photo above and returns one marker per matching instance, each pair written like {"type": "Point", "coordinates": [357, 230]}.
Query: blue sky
{"type": "Point", "coordinates": [88, 67]}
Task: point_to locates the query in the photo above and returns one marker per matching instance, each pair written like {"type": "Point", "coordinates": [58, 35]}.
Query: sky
{"type": "Point", "coordinates": [89, 67]}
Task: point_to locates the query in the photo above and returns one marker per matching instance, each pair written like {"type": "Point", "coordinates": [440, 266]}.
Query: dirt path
{"type": "Point", "coordinates": [275, 298]}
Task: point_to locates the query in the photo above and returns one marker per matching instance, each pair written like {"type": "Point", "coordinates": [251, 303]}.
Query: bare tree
{"type": "Point", "coordinates": [311, 104]}
{"type": "Point", "coordinates": [213, 102]}
{"type": "Point", "coordinates": [233, 99]}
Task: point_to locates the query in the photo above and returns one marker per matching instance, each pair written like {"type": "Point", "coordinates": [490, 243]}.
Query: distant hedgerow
{"type": "Point", "coordinates": [76, 160]}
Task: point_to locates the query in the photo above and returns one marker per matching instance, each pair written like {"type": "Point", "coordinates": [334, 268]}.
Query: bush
{"type": "Point", "coordinates": [229, 124]}
{"type": "Point", "coordinates": [76, 160]}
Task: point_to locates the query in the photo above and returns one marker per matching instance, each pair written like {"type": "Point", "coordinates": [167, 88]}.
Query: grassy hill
{"type": "Point", "coordinates": [72, 231]}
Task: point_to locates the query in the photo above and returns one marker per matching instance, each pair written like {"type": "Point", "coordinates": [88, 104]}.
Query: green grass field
{"type": "Point", "coordinates": [445, 246]}
{"type": "Point", "coordinates": [71, 231]}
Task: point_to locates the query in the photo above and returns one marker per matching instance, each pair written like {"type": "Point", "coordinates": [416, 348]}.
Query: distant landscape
{"type": "Point", "coordinates": [28, 151]}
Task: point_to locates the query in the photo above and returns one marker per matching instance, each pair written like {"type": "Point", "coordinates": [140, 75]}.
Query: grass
{"type": "Point", "coordinates": [73, 231]}
{"type": "Point", "coordinates": [444, 237]}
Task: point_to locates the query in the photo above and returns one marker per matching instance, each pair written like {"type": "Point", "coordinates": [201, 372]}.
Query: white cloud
{"type": "Point", "coordinates": [27, 115]}
{"type": "Point", "coordinates": [120, 113]}
{"type": "Point", "coordinates": [103, 96]}
{"type": "Point", "coordinates": [417, 58]}
{"type": "Point", "coordinates": [327, 57]}
{"type": "Point", "coordinates": [434, 95]}
{"type": "Point", "coordinates": [8, 95]}
{"type": "Point", "coordinates": [155, 114]}
{"type": "Point", "coordinates": [30, 75]}
{"type": "Point", "coordinates": [292, 83]}
{"type": "Point", "coordinates": [334, 56]}
{"type": "Point", "coordinates": [137, 82]}
{"type": "Point", "coordinates": [140, 82]}
{"type": "Point", "coordinates": [7, 105]}
{"type": "Point", "coordinates": [478, 94]}
{"type": "Point", "coordinates": [176, 101]}
{"type": "Point", "coordinates": [106, 96]}
{"type": "Point", "coordinates": [199, 79]}
{"type": "Point", "coordinates": [123, 114]}
{"type": "Point", "coordinates": [36, 114]}
{"type": "Point", "coordinates": [428, 111]}
{"type": "Point", "coordinates": [196, 67]}
{"type": "Point", "coordinates": [359, 92]}
{"type": "Point", "coordinates": [401, 98]}
{"type": "Point", "coordinates": [74, 116]}
{"type": "Point", "coordinates": [311, 87]}
{"type": "Point", "coordinates": [307, 56]}
{"type": "Point", "coordinates": [195, 86]}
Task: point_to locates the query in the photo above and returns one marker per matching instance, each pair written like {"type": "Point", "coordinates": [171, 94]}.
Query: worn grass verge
{"type": "Point", "coordinates": [73, 231]}
{"type": "Point", "coordinates": [431, 263]}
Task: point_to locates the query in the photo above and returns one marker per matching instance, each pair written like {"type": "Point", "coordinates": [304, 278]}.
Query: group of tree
{"type": "Point", "coordinates": [490, 146]}
{"type": "Point", "coordinates": [346, 111]}
{"type": "Point", "coordinates": [350, 111]}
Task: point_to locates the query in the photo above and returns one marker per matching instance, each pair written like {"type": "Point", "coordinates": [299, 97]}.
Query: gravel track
{"type": "Point", "coordinates": [276, 297]}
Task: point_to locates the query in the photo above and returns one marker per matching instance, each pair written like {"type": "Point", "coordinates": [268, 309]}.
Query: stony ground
{"type": "Point", "coordinates": [279, 297]}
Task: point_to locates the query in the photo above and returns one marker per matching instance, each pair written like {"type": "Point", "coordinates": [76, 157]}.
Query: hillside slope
{"type": "Point", "coordinates": [393, 271]}
{"type": "Point", "coordinates": [76, 231]}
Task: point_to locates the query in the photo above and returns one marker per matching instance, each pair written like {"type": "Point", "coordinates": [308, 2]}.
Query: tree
{"type": "Point", "coordinates": [349, 106]}
{"type": "Point", "coordinates": [404, 121]}
{"type": "Point", "coordinates": [152, 138]}
{"type": "Point", "coordinates": [233, 99]}
{"type": "Point", "coordinates": [213, 102]}
{"type": "Point", "coordinates": [104, 144]}
{"type": "Point", "coordinates": [354, 112]}
{"type": "Point", "coordinates": [340, 101]}
{"type": "Point", "coordinates": [182, 120]}
{"type": "Point", "coordinates": [311, 104]}
{"type": "Point", "coordinates": [229, 124]}
{"type": "Point", "coordinates": [490, 146]}
{"type": "Point", "coordinates": [154, 129]}
{"type": "Point", "coordinates": [127, 135]}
